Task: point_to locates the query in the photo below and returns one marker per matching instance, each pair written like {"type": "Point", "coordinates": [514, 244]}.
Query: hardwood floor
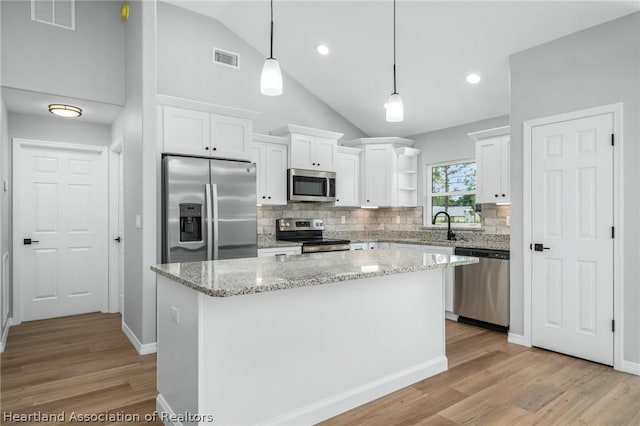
{"type": "Point", "coordinates": [492, 382]}
{"type": "Point", "coordinates": [82, 364]}
{"type": "Point", "coordinates": [85, 364]}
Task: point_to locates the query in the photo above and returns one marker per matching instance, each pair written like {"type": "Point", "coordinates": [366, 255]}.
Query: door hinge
{"type": "Point", "coordinates": [613, 139]}
{"type": "Point", "coordinates": [613, 325]}
{"type": "Point", "coordinates": [613, 232]}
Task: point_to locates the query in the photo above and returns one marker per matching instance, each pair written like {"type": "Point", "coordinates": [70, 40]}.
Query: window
{"type": "Point", "coordinates": [451, 187]}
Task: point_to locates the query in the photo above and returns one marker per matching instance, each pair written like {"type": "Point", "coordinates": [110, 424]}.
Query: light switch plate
{"type": "Point", "coordinates": [398, 219]}
{"type": "Point", "coordinates": [138, 221]}
{"type": "Point", "coordinates": [343, 220]}
{"type": "Point", "coordinates": [508, 220]}
{"type": "Point", "coordinates": [175, 314]}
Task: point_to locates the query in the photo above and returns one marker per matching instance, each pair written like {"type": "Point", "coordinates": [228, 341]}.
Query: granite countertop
{"type": "Point", "coordinates": [233, 277]}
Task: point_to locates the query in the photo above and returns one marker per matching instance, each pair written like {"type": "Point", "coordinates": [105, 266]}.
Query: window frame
{"type": "Point", "coordinates": [428, 194]}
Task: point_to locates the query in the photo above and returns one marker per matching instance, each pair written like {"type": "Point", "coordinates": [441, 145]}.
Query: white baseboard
{"type": "Point", "coordinates": [148, 348]}
{"type": "Point", "coordinates": [517, 339]}
{"type": "Point", "coordinates": [165, 412]}
{"type": "Point", "coordinates": [450, 316]}
{"type": "Point", "coordinates": [5, 333]}
{"type": "Point", "coordinates": [339, 403]}
{"type": "Point", "coordinates": [630, 367]}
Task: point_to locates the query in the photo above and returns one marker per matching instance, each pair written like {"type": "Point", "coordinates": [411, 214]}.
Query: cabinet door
{"type": "Point", "coordinates": [230, 137]}
{"type": "Point", "coordinates": [488, 159]}
{"type": "Point", "coordinates": [275, 174]}
{"type": "Point", "coordinates": [378, 179]}
{"type": "Point", "coordinates": [258, 151]}
{"type": "Point", "coordinates": [505, 184]}
{"type": "Point", "coordinates": [325, 154]}
{"type": "Point", "coordinates": [348, 180]}
{"type": "Point", "coordinates": [185, 131]}
{"type": "Point", "coordinates": [302, 152]}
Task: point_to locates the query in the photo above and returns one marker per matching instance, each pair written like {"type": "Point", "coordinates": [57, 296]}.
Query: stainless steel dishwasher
{"type": "Point", "coordinates": [481, 292]}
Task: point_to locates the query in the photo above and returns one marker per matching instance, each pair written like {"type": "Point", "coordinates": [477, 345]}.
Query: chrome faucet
{"type": "Point", "coordinates": [450, 235]}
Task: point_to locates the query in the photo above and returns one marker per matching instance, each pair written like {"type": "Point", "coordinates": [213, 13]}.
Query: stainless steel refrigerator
{"type": "Point", "coordinates": [208, 209]}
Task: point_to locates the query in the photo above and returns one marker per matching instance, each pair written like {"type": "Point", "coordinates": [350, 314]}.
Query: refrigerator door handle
{"type": "Point", "coordinates": [207, 197]}
{"type": "Point", "coordinates": [214, 191]}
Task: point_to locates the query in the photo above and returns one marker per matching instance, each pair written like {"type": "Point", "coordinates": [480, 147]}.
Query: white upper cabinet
{"type": "Point", "coordinates": [378, 175]}
{"type": "Point", "coordinates": [191, 132]}
{"type": "Point", "coordinates": [348, 177]}
{"type": "Point", "coordinates": [389, 172]}
{"type": "Point", "coordinates": [270, 155]}
{"type": "Point", "coordinates": [186, 131]}
{"type": "Point", "coordinates": [230, 137]}
{"type": "Point", "coordinates": [492, 165]}
{"type": "Point", "coordinates": [310, 149]}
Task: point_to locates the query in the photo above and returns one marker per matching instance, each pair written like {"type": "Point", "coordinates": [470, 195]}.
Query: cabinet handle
{"type": "Point", "coordinates": [318, 164]}
{"type": "Point", "coordinates": [214, 148]}
{"type": "Point", "coordinates": [263, 197]}
{"type": "Point", "coordinates": [367, 201]}
{"type": "Point", "coordinates": [496, 195]}
{"type": "Point", "coordinates": [206, 148]}
{"type": "Point", "coordinates": [503, 195]}
{"type": "Point", "coordinates": [313, 164]}
{"type": "Point", "coordinates": [338, 199]}
{"type": "Point", "coordinates": [269, 197]}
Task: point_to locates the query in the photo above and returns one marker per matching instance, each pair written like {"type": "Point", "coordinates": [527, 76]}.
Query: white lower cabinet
{"type": "Point", "coordinates": [449, 272]}
{"type": "Point", "coordinates": [359, 246]}
{"type": "Point", "coordinates": [279, 251]}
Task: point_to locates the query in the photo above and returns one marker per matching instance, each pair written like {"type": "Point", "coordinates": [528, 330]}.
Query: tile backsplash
{"type": "Point", "coordinates": [494, 218]}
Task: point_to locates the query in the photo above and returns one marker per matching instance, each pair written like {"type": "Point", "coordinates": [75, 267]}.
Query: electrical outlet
{"type": "Point", "coordinates": [138, 221]}
{"type": "Point", "coordinates": [343, 220]}
{"type": "Point", "coordinates": [508, 220]}
{"type": "Point", "coordinates": [175, 315]}
{"type": "Point", "coordinates": [398, 219]}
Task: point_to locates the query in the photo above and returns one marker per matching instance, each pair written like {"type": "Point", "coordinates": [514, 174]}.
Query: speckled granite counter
{"type": "Point", "coordinates": [223, 278]}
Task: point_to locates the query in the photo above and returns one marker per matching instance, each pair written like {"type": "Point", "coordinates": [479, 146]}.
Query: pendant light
{"type": "Point", "coordinates": [271, 79]}
{"type": "Point", "coordinates": [395, 109]}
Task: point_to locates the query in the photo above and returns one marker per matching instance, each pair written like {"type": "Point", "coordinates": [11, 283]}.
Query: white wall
{"type": "Point", "coordinates": [58, 129]}
{"type": "Point", "coordinates": [597, 66]}
{"type": "Point", "coordinates": [87, 63]}
{"type": "Point", "coordinates": [453, 143]}
{"type": "Point", "coordinates": [185, 69]}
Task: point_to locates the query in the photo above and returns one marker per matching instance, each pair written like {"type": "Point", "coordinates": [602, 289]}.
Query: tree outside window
{"type": "Point", "coordinates": [451, 188]}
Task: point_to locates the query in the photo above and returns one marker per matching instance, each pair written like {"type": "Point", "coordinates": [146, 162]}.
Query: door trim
{"type": "Point", "coordinates": [18, 143]}
{"type": "Point", "coordinates": [618, 218]}
{"type": "Point", "coordinates": [115, 151]}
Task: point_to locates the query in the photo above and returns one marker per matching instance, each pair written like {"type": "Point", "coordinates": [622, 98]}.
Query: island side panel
{"type": "Point", "coordinates": [177, 348]}
{"type": "Point", "coordinates": [303, 355]}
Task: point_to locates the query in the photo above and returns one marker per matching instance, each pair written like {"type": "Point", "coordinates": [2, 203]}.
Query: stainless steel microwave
{"type": "Point", "coordinates": [311, 185]}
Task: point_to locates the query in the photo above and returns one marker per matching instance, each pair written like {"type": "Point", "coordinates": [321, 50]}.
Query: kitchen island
{"type": "Point", "coordinates": [296, 339]}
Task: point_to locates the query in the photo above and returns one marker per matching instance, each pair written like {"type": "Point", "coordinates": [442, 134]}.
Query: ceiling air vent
{"type": "Point", "coordinates": [227, 58]}
{"type": "Point", "coordinates": [60, 13]}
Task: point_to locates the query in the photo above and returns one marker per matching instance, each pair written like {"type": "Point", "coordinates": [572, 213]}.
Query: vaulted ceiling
{"type": "Point", "coordinates": [438, 44]}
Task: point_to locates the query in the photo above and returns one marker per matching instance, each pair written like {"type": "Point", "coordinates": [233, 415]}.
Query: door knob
{"type": "Point", "coordinates": [28, 241]}
{"type": "Point", "coordinates": [118, 239]}
{"type": "Point", "coordinates": [540, 247]}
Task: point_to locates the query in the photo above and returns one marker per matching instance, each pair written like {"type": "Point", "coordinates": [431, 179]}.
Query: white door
{"type": "Point", "coordinates": [121, 232]}
{"type": "Point", "coordinates": [302, 152]}
{"type": "Point", "coordinates": [60, 204]}
{"type": "Point", "coordinates": [572, 219]}
{"type": "Point", "coordinates": [230, 137]}
{"type": "Point", "coordinates": [325, 154]}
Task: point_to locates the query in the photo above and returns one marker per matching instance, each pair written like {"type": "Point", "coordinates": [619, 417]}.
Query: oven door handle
{"type": "Point", "coordinates": [325, 248]}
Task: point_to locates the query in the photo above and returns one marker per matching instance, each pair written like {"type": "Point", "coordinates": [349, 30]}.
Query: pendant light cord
{"type": "Point", "coordinates": [395, 91]}
{"type": "Point", "coordinates": [271, 48]}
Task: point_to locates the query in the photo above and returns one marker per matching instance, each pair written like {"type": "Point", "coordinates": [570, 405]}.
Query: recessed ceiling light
{"type": "Point", "coordinates": [473, 79]}
{"type": "Point", "coordinates": [322, 49]}
{"type": "Point", "coordinates": [65, 110]}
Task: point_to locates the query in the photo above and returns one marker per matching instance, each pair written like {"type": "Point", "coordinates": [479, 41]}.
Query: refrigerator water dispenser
{"type": "Point", "coordinates": [190, 222]}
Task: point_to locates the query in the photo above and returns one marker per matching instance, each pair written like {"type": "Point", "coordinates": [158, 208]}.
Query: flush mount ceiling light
{"type": "Point", "coordinates": [395, 109]}
{"type": "Point", "coordinates": [473, 79]}
{"type": "Point", "coordinates": [322, 49]}
{"type": "Point", "coordinates": [65, 110]}
{"type": "Point", "coordinates": [271, 78]}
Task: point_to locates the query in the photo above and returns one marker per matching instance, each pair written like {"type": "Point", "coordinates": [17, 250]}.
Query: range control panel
{"type": "Point", "coordinates": [291, 224]}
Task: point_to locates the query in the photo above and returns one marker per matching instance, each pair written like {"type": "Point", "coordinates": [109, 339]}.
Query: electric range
{"type": "Point", "coordinates": [308, 232]}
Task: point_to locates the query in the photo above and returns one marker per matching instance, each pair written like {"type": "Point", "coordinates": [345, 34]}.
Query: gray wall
{"type": "Point", "coordinates": [87, 63]}
{"type": "Point", "coordinates": [185, 69]}
{"type": "Point", "coordinates": [453, 143]}
{"type": "Point", "coordinates": [597, 66]}
{"type": "Point", "coordinates": [57, 129]}
{"type": "Point", "coordinates": [128, 127]}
